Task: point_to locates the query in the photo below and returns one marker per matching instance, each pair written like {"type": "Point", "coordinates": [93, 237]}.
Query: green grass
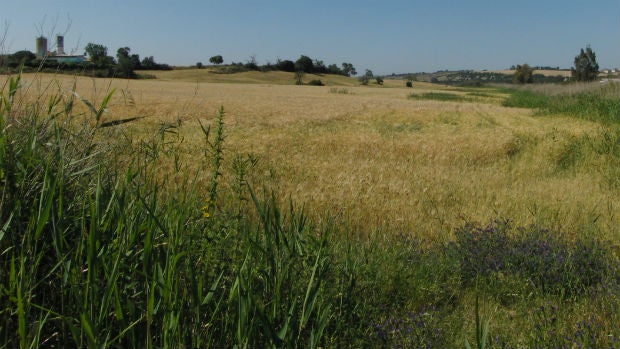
{"type": "Point", "coordinates": [601, 104]}
{"type": "Point", "coordinates": [439, 96]}
{"type": "Point", "coordinates": [102, 247]}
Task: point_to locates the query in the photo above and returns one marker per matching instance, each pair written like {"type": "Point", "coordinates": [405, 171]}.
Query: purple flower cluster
{"type": "Point", "coordinates": [543, 256]}
{"type": "Point", "coordinates": [415, 329]}
{"type": "Point", "coordinates": [586, 334]}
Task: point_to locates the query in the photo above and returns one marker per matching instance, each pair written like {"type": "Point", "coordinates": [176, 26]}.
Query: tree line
{"type": "Point", "coordinates": [99, 63]}
{"type": "Point", "coordinates": [303, 64]}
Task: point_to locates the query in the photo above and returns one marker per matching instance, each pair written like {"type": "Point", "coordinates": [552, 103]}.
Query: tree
{"type": "Point", "coordinates": [319, 67]}
{"type": "Point", "coordinates": [149, 63]}
{"type": "Point", "coordinates": [126, 63]}
{"type": "Point", "coordinates": [285, 65]}
{"type": "Point", "coordinates": [524, 74]}
{"type": "Point", "coordinates": [299, 75]}
{"type": "Point", "coordinates": [348, 69]}
{"type": "Point", "coordinates": [334, 69]}
{"type": "Point", "coordinates": [199, 65]}
{"type": "Point", "coordinates": [304, 64]}
{"type": "Point", "coordinates": [586, 68]}
{"type": "Point", "coordinates": [96, 52]}
{"type": "Point", "coordinates": [364, 79]}
{"type": "Point", "coordinates": [216, 60]}
{"type": "Point", "coordinates": [21, 57]}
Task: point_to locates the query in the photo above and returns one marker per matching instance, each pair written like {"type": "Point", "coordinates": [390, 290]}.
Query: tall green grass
{"type": "Point", "coordinates": [597, 103]}
{"type": "Point", "coordinates": [97, 250]}
{"type": "Point", "coordinates": [100, 247]}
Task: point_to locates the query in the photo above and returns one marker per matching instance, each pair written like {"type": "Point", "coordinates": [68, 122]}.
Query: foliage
{"type": "Point", "coordinates": [585, 66]}
{"type": "Point", "coordinates": [348, 69]}
{"type": "Point", "coordinates": [365, 79]}
{"type": "Point", "coordinates": [597, 104]}
{"type": "Point", "coordinates": [285, 65]}
{"type": "Point", "coordinates": [439, 96]}
{"type": "Point", "coordinates": [148, 63]}
{"type": "Point", "coordinates": [24, 57]}
{"type": "Point", "coordinates": [96, 51]}
{"type": "Point", "coordinates": [524, 74]}
{"type": "Point", "coordinates": [299, 75]}
{"type": "Point", "coordinates": [304, 64]}
{"type": "Point", "coordinates": [126, 63]}
{"type": "Point", "coordinates": [216, 60]}
{"type": "Point", "coordinates": [341, 91]}
{"type": "Point", "coordinates": [537, 254]}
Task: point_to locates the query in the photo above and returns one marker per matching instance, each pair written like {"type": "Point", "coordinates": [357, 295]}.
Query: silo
{"type": "Point", "coordinates": [41, 47]}
{"type": "Point", "coordinates": [60, 45]}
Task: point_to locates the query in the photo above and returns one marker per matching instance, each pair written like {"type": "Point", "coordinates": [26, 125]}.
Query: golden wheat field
{"type": "Point", "coordinates": [375, 158]}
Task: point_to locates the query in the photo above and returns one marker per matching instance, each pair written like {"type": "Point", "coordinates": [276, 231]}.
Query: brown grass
{"type": "Point", "coordinates": [380, 160]}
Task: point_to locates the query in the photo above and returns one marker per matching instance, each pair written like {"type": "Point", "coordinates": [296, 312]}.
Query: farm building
{"type": "Point", "coordinates": [58, 55]}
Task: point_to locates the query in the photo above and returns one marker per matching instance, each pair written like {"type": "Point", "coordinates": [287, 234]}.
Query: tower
{"type": "Point", "coordinates": [60, 45]}
{"type": "Point", "coordinates": [41, 47]}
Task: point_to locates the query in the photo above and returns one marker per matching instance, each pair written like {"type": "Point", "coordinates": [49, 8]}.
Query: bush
{"type": "Point", "coordinates": [523, 74]}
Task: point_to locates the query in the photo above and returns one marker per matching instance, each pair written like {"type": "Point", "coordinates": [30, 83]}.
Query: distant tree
{"type": "Point", "coordinates": [98, 55]}
{"type": "Point", "coordinates": [123, 52]}
{"type": "Point", "coordinates": [216, 60]}
{"type": "Point", "coordinates": [126, 64]}
{"type": "Point", "coordinates": [304, 64]}
{"type": "Point", "coordinates": [524, 74]}
{"type": "Point", "coordinates": [285, 65]}
{"type": "Point", "coordinates": [348, 69]}
{"type": "Point", "coordinates": [299, 75]}
{"type": "Point", "coordinates": [334, 69]}
{"type": "Point", "coordinates": [251, 64]}
{"type": "Point", "coordinates": [148, 63]}
{"type": "Point", "coordinates": [365, 79]}
{"type": "Point", "coordinates": [199, 65]}
{"type": "Point", "coordinates": [21, 57]}
{"type": "Point", "coordinates": [319, 67]}
{"type": "Point", "coordinates": [586, 67]}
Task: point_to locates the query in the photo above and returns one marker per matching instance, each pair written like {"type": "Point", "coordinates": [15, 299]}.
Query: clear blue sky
{"type": "Point", "coordinates": [385, 36]}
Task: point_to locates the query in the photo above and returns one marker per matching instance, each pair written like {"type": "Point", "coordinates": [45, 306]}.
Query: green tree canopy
{"type": "Point", "coordinates": [586, 67]}
{"type": "Point", "coordinates": [126, 63]}
{"type": "Point", "coordinates": [216, 59]}
{"type": "Point", "coordinates": [348, 69]}
{"type": "Point", "coordinates": [304, 64]}
{"type": "Point", "coordinates": [524, 74]}
{"type": "Point", "coordinates": [19, 57]}
{"type": "Point", "coordinates": [96, 51]}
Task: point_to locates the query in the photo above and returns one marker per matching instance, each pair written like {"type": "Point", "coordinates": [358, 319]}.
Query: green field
{"type": "Point", "coordinates": [241, 211]}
